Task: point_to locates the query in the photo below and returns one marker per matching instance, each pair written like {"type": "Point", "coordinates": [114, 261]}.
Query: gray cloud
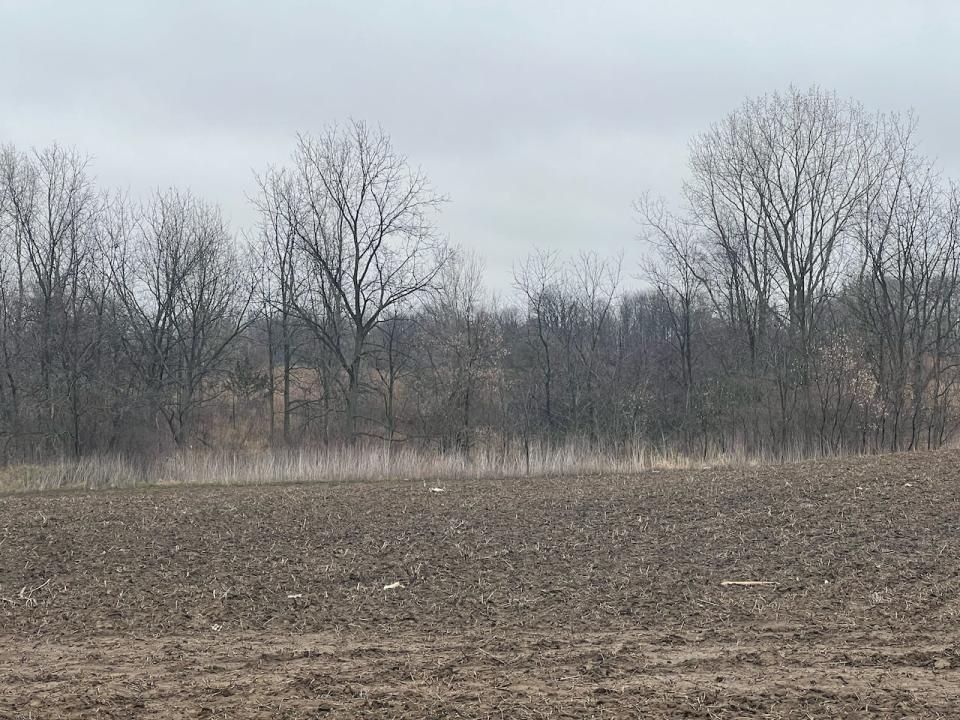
{"type": "Point", "coordinates": [542, 120]}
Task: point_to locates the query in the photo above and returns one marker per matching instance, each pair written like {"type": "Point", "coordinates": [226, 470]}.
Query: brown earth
{"type": "Point", "coordinates": [568, 597]}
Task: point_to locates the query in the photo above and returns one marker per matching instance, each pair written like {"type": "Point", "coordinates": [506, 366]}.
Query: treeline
{"type": "Point", "coordinates": [803, 300]}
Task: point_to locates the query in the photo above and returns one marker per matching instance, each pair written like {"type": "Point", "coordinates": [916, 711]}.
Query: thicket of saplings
{"type": "Point", "coordinates": [802, 300]}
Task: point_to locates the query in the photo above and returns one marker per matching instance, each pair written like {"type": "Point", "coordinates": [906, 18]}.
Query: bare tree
{"type": "Point", "coordinates": [363, 217]}
{"type": "Point", "coordinates": [280, 281]}
{"type": "Point", "coordinates": [779, 189]}
{"type": "Point", "coordinates": [538, 281]}
{"type": "Point", "coordinates": [51, 213]}
{"type": "Point", "coordinates": [185, 295]}
{"type": "Point", "coordinates": [904, 296]}
{"type": "Point", "coordinates": [459, 346]}
{"type": "Point", "coordinates": [780, 185]}
{"type": "Point", "coordinates": [597, 283]}
{"type": "Point", "coordinates": [677, 276]}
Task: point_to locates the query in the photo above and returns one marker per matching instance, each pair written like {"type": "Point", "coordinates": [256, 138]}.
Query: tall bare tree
{"type": "Point", "coordinates": [52, 211]}
{"type": "Point", "coordinates": [280, 281]}
{"type": "Point", "coordinates": [185, 295]}
{"type": "Point", "coordinates": [363, 218]}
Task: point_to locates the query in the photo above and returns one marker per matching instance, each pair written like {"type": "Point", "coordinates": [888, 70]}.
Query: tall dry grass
{"type": "Point", "coordinates": [364, 463]}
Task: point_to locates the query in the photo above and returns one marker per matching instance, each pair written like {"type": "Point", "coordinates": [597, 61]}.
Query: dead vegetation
{"type": "Point", "coordinates": [366, 462]}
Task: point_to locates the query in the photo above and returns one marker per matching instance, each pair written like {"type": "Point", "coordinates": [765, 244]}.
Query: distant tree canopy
{"type": "Point", "coordinates": [802, 299]}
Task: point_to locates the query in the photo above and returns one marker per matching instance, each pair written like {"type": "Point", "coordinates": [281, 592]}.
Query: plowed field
{"type": "Point", "coordinates": [565, 597]}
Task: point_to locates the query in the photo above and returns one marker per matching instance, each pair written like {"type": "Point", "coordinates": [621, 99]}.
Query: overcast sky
{"type": "Point", "coordinates": [542, 121]}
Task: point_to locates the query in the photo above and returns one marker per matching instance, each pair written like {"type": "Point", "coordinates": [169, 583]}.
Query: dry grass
{"type": "Point", "coordinates": [366, 463]}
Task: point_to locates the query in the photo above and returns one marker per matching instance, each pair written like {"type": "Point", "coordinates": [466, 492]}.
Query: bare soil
{"type": "Point", "coordinates": [566, 597]}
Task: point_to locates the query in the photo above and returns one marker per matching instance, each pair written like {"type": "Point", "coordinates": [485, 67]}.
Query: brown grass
{"type": "Point", "coordinates": [363, 463]}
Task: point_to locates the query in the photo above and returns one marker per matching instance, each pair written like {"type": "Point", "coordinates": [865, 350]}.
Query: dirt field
{"type": "Point", "coordinates": [574, 597]}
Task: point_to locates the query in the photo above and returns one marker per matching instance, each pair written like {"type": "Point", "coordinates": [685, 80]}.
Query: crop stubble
{"type": "Point", "coordinates": [564, 597]}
